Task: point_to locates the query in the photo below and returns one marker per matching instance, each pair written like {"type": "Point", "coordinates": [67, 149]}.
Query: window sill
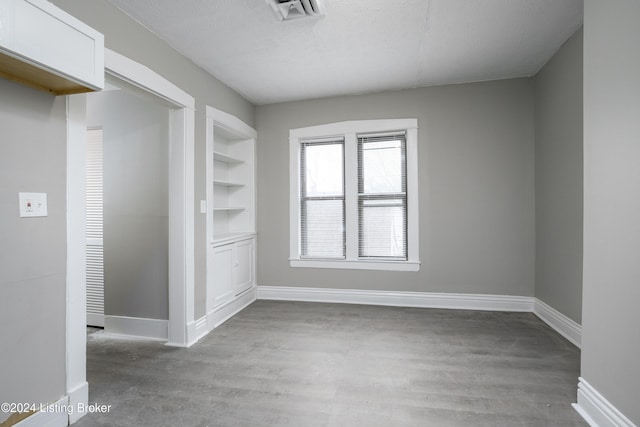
{"type": "Point", "coordinates": [357, 265]}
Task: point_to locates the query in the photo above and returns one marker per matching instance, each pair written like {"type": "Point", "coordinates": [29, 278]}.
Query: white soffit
{"type": "Point", "coordinates": [360, 45]}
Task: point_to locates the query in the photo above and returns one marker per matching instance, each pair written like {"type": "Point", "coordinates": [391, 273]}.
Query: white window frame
{"type": "Point", "coordinates": [350, 131]}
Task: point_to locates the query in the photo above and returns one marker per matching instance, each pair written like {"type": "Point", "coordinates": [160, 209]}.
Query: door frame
{"type": "Point", "coordinates": [181, 216]}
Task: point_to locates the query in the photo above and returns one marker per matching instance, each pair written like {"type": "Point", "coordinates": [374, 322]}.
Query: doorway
{"type": "Point", "coordinates": [181, 325]}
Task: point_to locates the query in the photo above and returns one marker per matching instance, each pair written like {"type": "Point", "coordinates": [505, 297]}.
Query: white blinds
{"type": "Point", "coordinates": [95, 252]}
{"type": "Point", "coordinates": [322, 202]}
{"type": "Point", "coordinates": [382, 196]}
{"type": "Point", "coordinates": [94, 183]}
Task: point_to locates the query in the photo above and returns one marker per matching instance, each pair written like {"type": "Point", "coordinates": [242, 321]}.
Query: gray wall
{"type": "Point", "coordinates": [127, 37]}
{"type": "Point", "coordinates": [558, 117]}
{"type": "Point", "coordinates": [611, 292]}
{"type": "Point", "coordinates": [32, 250]}
{"type": "Point", "coordinates": [476, 178]}
{"type": "Point", "coordinates": [136, 202]}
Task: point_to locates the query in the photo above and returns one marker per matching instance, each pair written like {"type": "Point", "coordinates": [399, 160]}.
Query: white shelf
{"type": "Point", "coordinates": [231, 237]}
{"type": "Point", "coordinates": [227, 183]}
{"type": "Point", "coordinates": [221, 157]}
{"type": "Point", "coordinates": [228, 209]}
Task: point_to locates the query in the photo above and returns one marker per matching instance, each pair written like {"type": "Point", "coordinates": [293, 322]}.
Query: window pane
{"type": "Point", "coordinates": [322, 228]}
{"type": "Point", "coordinates": [382, 167]}
{"type": "Point", "coordinates": [323, 170]}
{"type": "Point", "coordinates": [382, 232]}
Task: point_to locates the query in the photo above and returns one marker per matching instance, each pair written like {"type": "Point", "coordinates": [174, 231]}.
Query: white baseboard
{"type": "Point", "coordinates": [224, 312]}
{"type": "Point", "coordinates": [399, 299]}
{"type": "Point", "coordinates": [56, 415]}
{"type": "Point", "coordinates": [596, 410]}
{"type": "Point", "coordinates": [78, 398]}
{"type": "Point", "coordinates": [155, 329]}
{"type": "Point", "coordinates": [552, 317]}
{"type": "Point", "coordinates": [196, 330]}
{"type": "Point", "coordinates": [95, 320]}
{"type": "Point", "coordinates": [565, 326]}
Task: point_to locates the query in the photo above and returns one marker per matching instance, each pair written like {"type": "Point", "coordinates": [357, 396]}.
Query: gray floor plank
{"type": "Point", "coordinates": [311, 364]}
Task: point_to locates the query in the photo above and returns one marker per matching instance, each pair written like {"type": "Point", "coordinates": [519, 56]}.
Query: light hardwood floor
{"type": "Point", "coordinates": [312, 364]}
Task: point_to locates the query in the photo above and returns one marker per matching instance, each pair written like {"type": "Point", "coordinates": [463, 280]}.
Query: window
{"type": "Point", "coordinates": [322, 199]}
{"type": "Point", "coordinates": [354, 195]}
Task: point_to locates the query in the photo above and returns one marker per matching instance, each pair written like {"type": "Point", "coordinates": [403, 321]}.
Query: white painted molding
{"type": "Point", "coordinates": [197, 330]}
{"type": "Point", "coordinates": [355, 265]}
{"type": "Point", "coordinates": [155, 329]}
{"type": "Point", "coordinates": [58, 416]}
{"type": "Point", "coordinates": [231, 123]}
{"type": "Point", "coordinates": [218, 315]}
{"type": "Point", "coordinates": [76, 286]}
{"type": "Point", "coordinates": [78, 399]}
{"type": "Point", "coordinates": [224, 312]}
{"type": "Point", "coordinates": [95, 319]}
{"type": "Point", "coordinates": [597, 410]}
{"type": "Point", "coordinates": [353, 126]}
{"type": "Point", "coordinates": [565, 326]}
{"type": "Point", "coordinates": [399, 299]}
{"type": "Point", "coordinates": [146, 79]}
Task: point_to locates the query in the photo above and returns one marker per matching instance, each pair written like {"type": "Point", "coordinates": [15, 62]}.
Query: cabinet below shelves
{"type": "Point", "coordinates": [232, 270]}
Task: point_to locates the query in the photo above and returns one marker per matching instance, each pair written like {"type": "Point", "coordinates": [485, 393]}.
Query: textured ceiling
{"type": "Point", "coordinates": [361, 45]}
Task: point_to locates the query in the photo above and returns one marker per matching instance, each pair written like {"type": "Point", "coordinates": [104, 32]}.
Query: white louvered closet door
{"type": "Point", "coordinates": [95, 253]}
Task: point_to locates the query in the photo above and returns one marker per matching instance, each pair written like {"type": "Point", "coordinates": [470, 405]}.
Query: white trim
{"type": "Point", "coordinates": [78, 399]}
{"type": "Point", "coordinates": [566, 327]}
{"type": "Point", "coordinates": [224, 312]}
{"type": "Point", "coordinates": [76, 288]}
{"type": "Point", "coordinates": [54, 418]}
{"type": "Point", "coordinates": [95, 319]}
{"type": "Point", "coordinates": [413, 213]}
{"type": "Point", "coordinates": [562, 324]}
{"type": "Point", "coordinates": [350, 202]}
{"type": "Point", "coordinates": [399, 299]}
{"type": "Point", "coordinates": [596, 410]}
{"type": "Point", "coordinates": [356, 265]}
{"type": "Point", "coordinates": [220, 314]}
{"type": "Point", "coordinates": [353, 126]}
{"type": "Point", "coordinates": [155, 329]}
{"type": "Point", "coordinates": [231, 123]}
{"type": "Point", "coordinates": [197, 330]}
{"type": "Point", "coordinates": [181, 225]}
{"type": "Point", "coordinates": [294, 201]}
{"type": "Point", "coordinates": [138, 75]}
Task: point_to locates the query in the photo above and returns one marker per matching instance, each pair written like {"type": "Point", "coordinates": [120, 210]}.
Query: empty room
{"type": "Point", "coordinates": [319, 213]}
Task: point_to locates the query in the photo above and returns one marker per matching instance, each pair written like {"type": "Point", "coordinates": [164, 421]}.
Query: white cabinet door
{"type": "Point", "coordinates": [233, 271]}
{"type": "Point", "coordinates": [243, 265]}
{"type": "Point", "coordinates": [223, 277]}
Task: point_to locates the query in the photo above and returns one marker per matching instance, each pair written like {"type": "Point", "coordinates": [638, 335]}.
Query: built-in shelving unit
{"type": "Point", "coordinates": [231, 215]}
{"type": "Point", "coordinates": [232, 195]}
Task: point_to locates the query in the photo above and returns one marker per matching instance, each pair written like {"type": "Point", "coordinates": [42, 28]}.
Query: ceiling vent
{"type": "Point", "coordinates": [286, 10]}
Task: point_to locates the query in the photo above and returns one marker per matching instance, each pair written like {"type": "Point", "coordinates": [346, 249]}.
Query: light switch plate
{"type": "Point", "coordinates": [203, 206]}
{"type": "Point", "coordinates": [32, 204]}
